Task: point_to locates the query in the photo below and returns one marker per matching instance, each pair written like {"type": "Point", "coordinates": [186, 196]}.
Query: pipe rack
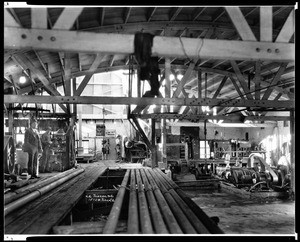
{"type": "Point", "coordinates": [158, 206]}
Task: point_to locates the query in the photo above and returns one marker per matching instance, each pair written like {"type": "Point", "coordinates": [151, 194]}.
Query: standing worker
{"type": "Point", "coordinates": [32, 145]}
{"type": "Point", "coordinates": [107, 145]}
{"type": "Point", "coordinates": [46, 142]}
{"type": "Point", "coordinates": [104, 152]}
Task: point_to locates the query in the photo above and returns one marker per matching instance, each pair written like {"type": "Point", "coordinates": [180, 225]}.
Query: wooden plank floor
{"type": "Point", "coordinates": [40, 215]}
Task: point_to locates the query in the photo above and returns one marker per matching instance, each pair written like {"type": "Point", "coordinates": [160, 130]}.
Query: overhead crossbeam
{"type": "Point", "coordinates": [228, 118]}
{"type": "Point", "coordinates": [76, 41]}
{"type": "Point", "coordinates": [149, 101]}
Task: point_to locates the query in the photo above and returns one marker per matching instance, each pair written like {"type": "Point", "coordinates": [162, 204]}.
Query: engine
{"type": "Point", "coordinates": [277, 179]}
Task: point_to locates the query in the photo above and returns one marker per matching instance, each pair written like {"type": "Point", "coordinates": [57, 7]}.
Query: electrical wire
{"type": "Point", "coordinates": [199, 49]}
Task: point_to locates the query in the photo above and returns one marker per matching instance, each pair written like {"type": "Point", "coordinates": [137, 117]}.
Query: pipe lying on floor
{"type": "Point", "coordinates": [145, 221]}
{"type": "Point", "coordinates": [111, 224]}
{"type": "Point", "coordinates": [183, 221]}
{"type": "Point", "coordinates": [8, 198]}
{"type": "Point", "coordinates": [158, 222]}
{"type": "Point", "coordinates": [209, 224]}
{"type": "Point", "coordinates": [37, 193]}
{"type": "Point", "coordinates": [195, 221]}
{"type": "Point", "coordinates": [133, 219]}
{"type": "Point", "coordinates": [168, 216]}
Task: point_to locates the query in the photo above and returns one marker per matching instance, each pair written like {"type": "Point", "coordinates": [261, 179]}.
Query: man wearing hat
{"type": "Point", "coordinates": [32, 145]}
{"type": "Point", "coordinates": [46, 142]}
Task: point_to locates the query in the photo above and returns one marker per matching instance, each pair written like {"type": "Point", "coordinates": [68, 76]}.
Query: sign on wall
{"type": "Point", "coordinates": [110, 133]}
{"type": "Point", "coordinates": [100, 130]}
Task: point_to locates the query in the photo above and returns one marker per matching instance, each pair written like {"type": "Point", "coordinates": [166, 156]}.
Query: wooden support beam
{"type": "Point", "coordinates": [241, 80]}
{"type": "Point", "coordinates": [175, 13]}
{"type": "Point", "coordinates": [127, 14]}
{"type": "Point", "coordinates": [237, 88]}
{"type": "Point", "coordinates": [64, 22]}
{"type": "Point", "coordinates": [220, 87]}
{"type": "Point", "coordinates": [266, 24]}
{"type": "Point", "coordinates": [76, 41]}
{"type": "Point", "coordinates": [67, 77]}
{"type": "Point", "coordinates": [79, 62]}
{"type": "Point", "coordinates": [197, 13]}
{"type": "Point", "coordinates": [9, 20]}
{"type": "Point", "coordinates": [199, 84]}
{"type": "Point", "coordinates": [38, 18]}
{"type": "Point", "coordinates": [67, 18]}
{"type": "Point", "coordinates": [184, 80]}
{"type": "Point", "coordinates": [151, 13]}
{"type": "Point", "coordinates": [111, 61]}
{"type": "Point", "coordinates": [102, 15]}
{"type": "Point", "coordinates": [26, 63]}
{"type": "Point", "coordinates": [149, 101]}
{"type": "Point", "coordinates": [74, 91]}
{"type": "Point", "coordinates": [275, 99]}
{"type": "Point", "coordinates": [240, 23]}
{"type": "Point", "coordinates": [87, 78]}
{"type": "Point", "coordinates": [42, 64]}
{"type": "Point", "coordinates": [275, 80]}
{"type": "Point", "coordinates": [257, 79]}
{"type": "Point", "coordinates": [288, 29]}
{"type": "Point", "coordinates": [67, 74]}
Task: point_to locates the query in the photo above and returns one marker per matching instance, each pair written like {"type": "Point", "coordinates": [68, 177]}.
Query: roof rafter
{"type": "Point", "coordinates": [150, 13]}
{"type": "Point", "coordinates": [240, 23]}
{"type": "Point", "coordinates": [87, 78]}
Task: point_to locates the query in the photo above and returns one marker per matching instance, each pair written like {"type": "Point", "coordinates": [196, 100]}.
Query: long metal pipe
{"type": "Point", "coordinates": [145, 221]}
{"type": "Point", "coordinates": [185, 224]}
{"type": "Point", "coordinates": [39, 192]}
{"type": "Point", "coordinates": [169, 218]}
{"type": "Point", "coordinates": [133, 219]}
{"type": "Point", "coordinates": [195, 221]}
{"type": "Point", "coordinates": [111, 224]}
{"type": "Point", "coordinates": [33, 187]}
{"type": "Point", "coordinates": [210, 225]}
{"type": "Point", "coordinates": [158, 222]}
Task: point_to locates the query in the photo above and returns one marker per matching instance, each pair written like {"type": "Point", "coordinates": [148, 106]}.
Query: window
{"type": "Point", "coordinates": [203, 145]}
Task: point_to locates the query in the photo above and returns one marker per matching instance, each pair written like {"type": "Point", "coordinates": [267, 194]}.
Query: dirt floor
{"type": "Point", "coordinates": [243, 216]}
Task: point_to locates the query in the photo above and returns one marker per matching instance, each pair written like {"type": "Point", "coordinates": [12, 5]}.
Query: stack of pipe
{"type": "Point", "coordinates": [29, 193]}
{"type": "Point", "coordinates": [158, 206]}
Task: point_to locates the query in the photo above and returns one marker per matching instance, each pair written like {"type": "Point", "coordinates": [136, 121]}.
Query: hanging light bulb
{"type": "Point", "coordinates": [214, 111]}
{"type": "Point", "coordinates": [22, 79]}
{"type": "Point", "coordinates": [179, 76]}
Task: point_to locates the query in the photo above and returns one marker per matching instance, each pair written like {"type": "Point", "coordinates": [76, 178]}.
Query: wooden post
{"type": "Point", "coordinates": [164, 142]}
{"type": "Point", "coordinates": [80, 125]}
{"type": "Point", "coordinates": [138, 82]}
{"type": "Point", "coordinates": [199, 88]}
{"type": "Point", "coordinates": [153, 142]}
{"type": "Point", "coordinates": [167, 95]}
{"type": "Point", "coordinates": [74, 105]}
{"type": "Point", "coordinates": [292, 131]}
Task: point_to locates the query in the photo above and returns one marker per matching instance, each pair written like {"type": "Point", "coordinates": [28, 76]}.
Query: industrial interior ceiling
{"type": "Point", "coordinates": [38, 44]}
